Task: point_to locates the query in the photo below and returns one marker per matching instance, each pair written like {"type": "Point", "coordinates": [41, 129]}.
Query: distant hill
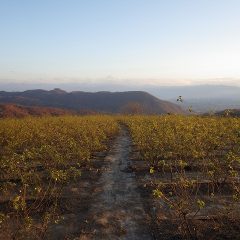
{"type": "Point", "coordinates": [202, 98]}
{"type": "Point", "coordinates": [229, 112]}
{"type": "Point", "coordinates": [211, 105]}
{"type": "Point", "coordinates": [17, 111]}
{"type": "Point", "coordinates": [103, 102]}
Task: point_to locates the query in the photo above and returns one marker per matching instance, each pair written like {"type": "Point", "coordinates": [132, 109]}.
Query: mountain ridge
{"type": "Point", "coordinates": [102, 101]}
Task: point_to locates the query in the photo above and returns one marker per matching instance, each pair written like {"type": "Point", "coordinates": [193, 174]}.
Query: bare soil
{"type": "Point", "coordinates": [106, 203]}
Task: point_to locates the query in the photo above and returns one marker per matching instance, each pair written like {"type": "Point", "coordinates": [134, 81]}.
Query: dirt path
{"type": "Point", "coordinates": [117, 211]}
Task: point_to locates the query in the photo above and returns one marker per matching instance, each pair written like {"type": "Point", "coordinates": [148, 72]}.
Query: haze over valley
{"type": "Point", "coordinates": [201, 98]}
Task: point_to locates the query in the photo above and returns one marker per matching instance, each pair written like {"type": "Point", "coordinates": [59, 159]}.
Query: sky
{"type": "Point", "coordinates": [162, 42]}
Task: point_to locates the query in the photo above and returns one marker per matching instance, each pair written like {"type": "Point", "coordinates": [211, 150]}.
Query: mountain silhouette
{"type": "Point", "coordinates": [101, 102]}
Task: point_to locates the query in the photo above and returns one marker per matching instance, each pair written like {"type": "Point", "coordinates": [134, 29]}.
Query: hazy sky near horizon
{"type": "Point", "coordinates": [144, 41]}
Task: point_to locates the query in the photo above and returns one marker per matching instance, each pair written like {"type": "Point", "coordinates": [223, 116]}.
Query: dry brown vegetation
{"type": "Point", "coordinates": [18, 111]}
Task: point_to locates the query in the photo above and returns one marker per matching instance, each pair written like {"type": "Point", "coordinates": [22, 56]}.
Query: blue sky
{"type": "Point", "coordinates": [143, 41]}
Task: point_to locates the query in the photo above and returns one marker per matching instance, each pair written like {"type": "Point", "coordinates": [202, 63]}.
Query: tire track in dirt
{"type": "Point", "coordinates": [117, 211]}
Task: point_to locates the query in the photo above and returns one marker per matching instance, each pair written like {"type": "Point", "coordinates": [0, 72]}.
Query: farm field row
{"type": "Point", "coordinates": [193, 166]}
{"type": "Point", "coordinates": [38, 157]}
{"type": "Point", "coordinates": [189, 167]}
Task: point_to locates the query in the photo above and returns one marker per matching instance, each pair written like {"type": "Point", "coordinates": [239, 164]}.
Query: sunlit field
{"type": "Point", "coordinates": [38, 157]}
{"type": "Point", "coordinates": [194, 164]}
{"type": "Point", "coordinates": [187, 169]}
